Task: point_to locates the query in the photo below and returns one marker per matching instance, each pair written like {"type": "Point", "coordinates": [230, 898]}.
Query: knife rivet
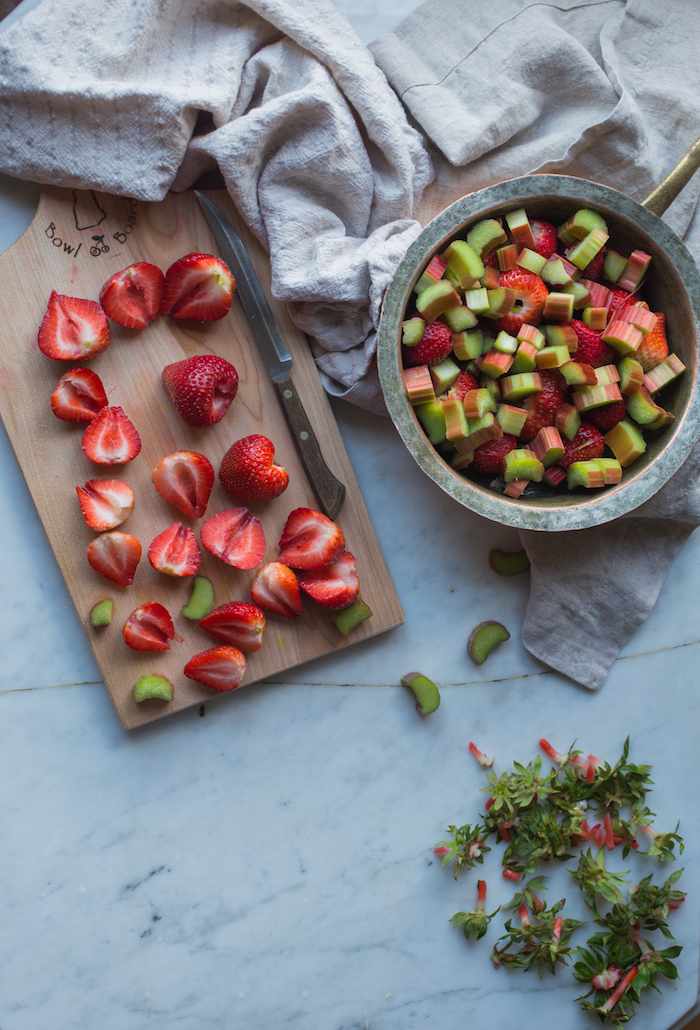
{"type": "Point", "coordinates": [287, 394]}
{"type": "Point", "coordinates": [303, 435]}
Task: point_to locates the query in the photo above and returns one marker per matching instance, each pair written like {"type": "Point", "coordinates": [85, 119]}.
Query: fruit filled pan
{"type": "Point", "coordinates": [128, 497]}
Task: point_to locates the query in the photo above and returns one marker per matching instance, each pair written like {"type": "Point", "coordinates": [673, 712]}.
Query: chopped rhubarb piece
{"type": "Point", "coordinates": [460, 461]}
{"type": "Point", "coordinates": [412, 331]}
{"type": "Point", "coordinates": [588, 397]}
{"type": "Point", "coordinates": [595, 318]}
{"type": "Point", "coordinates": [515, 488]}
{"type": "Point", "coordinates": [507, 256]}
{"type": "Point", "coordinates": [486, 235]}
{"type": "Point", "coordinates": [516, 387]}
{"type": "Point", "coordinates": [580, 293]}
{"type": "Point", "coordinates": [443, 375]}
{"type": "Point", "coordinates": [583, 222]}
{"type": "Point", "coordinates": [601, 296]}
{"type": "Point", "coordinates": [432, 274]}
{"type": "Point", "coordinates": [525, 359]}
{"type": "Point", "coordinates": [614, 264]}
{"type": "Point", "coordinates": [456, 424]}
{"type": "Point", "coordinates": [523, 463]}
{"type": "Point", "coordinates": [559, 307]}
{"type": "Point", "coordinates": [467, 346]}
{"type": "Point", "coordinates": [501, 300]}
{"type": "Point", "coordinates": [478, 402]}
{"type": "Point", "coordinates": [642, 408]}
{"type": "Point", "coordinates": [506, 343]}
{"type": "Point", "coordinates": [626, 442]}
{"type": "Point", "coordinates": [424, 690]}
{"type": "Point", "coordinates": [562, 336]}
{"type": "Point", "coordinates": [460, 318]}
{"type": "Point", "coordinates": [585, 473]}
{"type": "Point", "coordinates": [519, 226]}
{"type": "Point", "coordinates": [554, 475]}
{"type": "Point", "coordinates": [431, 303]}
{"type": "Point", "coordinates": [631, 376]}
{"type": "Point", "coordinates": [432, 417]}
{"type": "Point", "coordinates": [552, 357]}
{"type": "Point", "coordinates": [623, 336]}
{"type": "Point", "coordinates": [531, 334]}
{"type": "Point", "coordinates": [464, 263]}
{"type": "Point", "coordinates": [492, 385]}
{"type": "Point", "coordinates": [496, 363]}
{"type": "Point", "coordinates": [669, 369]}
{"type": "Point", "coordinates": [346, 619]}
{"type": "Point", "coordinates": [568, 421]}
{"type": "Point", "coordinates": [578, 374]}
{"type": "Point", "coordinates": [634, 272]}
{"type": "Point", "coordinates": [419, 385]}
{"type": "Point", "coordinates": [640, 317]}
{"type": "Point", "coordinates": [490, 279]}
{"type": "Point", "coordinates": [512, 419]}
{"type": "Point", "coordinates": [612, 473]}
{"type": "Point", "coordinates": [554, 272]}
{"type": "Point", "coordinates": [481, 430]}
{"type": "Point", "coordinates": [581, 254]}
{"type": "Point", "coordinates": [477, 300]}
{"type": "Point", "coordinates": [484, 638]}
{"type": "Point", "coordinates": [606, 374]}
{"type": "Point", "coordinates": [531, 261]}
{"type": "Point", "coordinates": [548, 446]}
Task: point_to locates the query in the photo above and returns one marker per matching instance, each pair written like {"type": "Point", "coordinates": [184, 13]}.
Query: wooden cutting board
{"type": "Point", "coordinates": [76, 241]}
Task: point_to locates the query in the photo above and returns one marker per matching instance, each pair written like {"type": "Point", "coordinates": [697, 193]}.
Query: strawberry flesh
{"type": "Point", "coordinates": [105, 503]}
{"type": "Point", "coordinates": [530, 295]}
{"type": "Point", "coordinates": [198, 286]}
{"type": "Point", "coordinates": [73, 329]}
{"type": "Point", "coordinates": [220, 668]}
{"type": "Point", "coordinates": [587, 444]}
{"type": "Point", "coordinates": [542, 407]}
{"type": "Point", "coordinates": [201, 388]}
{"type": "Point", "coordinates": [150, 628]}
{"type": "Point", "coordinates": [115, 556]}
{"type": "Point", "coordinates": [464, 382]}
{"type": "Point", "coordinates": [78, 396]}
{"type": "Point", "coordinates": [335, 585]}
{"type": "Point", "coordinates": [276, 589]}
{"type": "Point", "coordinates": [175, 551]}
{"type": "Point", "coordinates": [185, 479]}
{"type": "Point", "coordinates": [237, 623]}
{"type": "Point", "coordinates": [133, 297]}
{"type": "Point", "coordinates": [110, 438]}
{"type": "Point", "coordinates": [234, 537]}
{"type": "Point", "coordinates": [654, 347]}
{"type": "Point", "coordinates": [310, 540]}
{"type": "Point", "coordinates": [248, 471]}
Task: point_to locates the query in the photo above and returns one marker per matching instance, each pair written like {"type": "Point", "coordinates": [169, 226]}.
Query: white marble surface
{"type": "Point", "coordinates": [270, 864]}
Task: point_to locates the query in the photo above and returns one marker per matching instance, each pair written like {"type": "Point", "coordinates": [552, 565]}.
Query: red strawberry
{"type": "Point", "coordinates": [237, 623]}
{"type": "Point", "coordinates": [276, 589]}
{"type": "Point", "coordinates": [175, 551]}
{"type": "Point", "coordinates": [115, 556]}
{"type": "Point", "coordinates": [105, 503]}
{"type": "Point", "coordinates": [545, 237]}
{"type": "Point", "coordinates": [434, 347]}
{"type": "Point", "coordinates": [133, 296]}
{"type": "Point", "coordinates": [489, 457]}
{"type": "Point", "coordinates": [462, 385]}
{"type": "Point", "coordinates": [235, 537]}
{"type": "Point", "coordinates": [588, 443]}
{"type": "Point", "coordinates": [149, 628]}
{"type": "Point", "coordinates": [335, 585]}
{"type": "Point", "coordinates": [607, 416]}
{"type": "Point", "coordinates": [185, 479]}
{"type": "Point", "coordinates": [248, 471]}
{"type": "Point", "coordinates": [198, 286]}
{"type": "Point", "coordinates": [111, 439]}
{"type": "Point", "coordinates": [78, 396]}
{"type": "Point", "coordinates": [654, 347]}
{"type": "Point", "coordinates": [542, 407]}
{"type": "Point", "coordinates": [591, 348]}
{"type": "Point", "coordinates": [73, 329]}
{"type": "Point", "coordinates": [530, 295]}
{"type": "Point", "coordinates": [221, 668]}
{"type": "Point", "coordinates": [619, 298]}
{"type": "Point", "coordinates": [490, 260]}
{"type": "Point", "coordinates": [310, 540]}
{"type": "Point", "coordinates": [201, 388]}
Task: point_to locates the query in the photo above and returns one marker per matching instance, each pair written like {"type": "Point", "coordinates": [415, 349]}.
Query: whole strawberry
{"type": "Point", "coordinates": [530, 295]}
{"type": "Point", "coordinates": [201, 388]}
{"type": "Point", "coordinates": [588, 443]}
{"type": "Point", "coordinates": [607, 416]}
{"type": "Point", "coordinates": [654, 347]}
{"type": "Point", "coordinates": [545, 237]}
{"type": "Point", "coordinates": [434, 347]}
{"type": "Point", "coordinates": [249, 473]}
{"type": "Point", "coordinates": [542, 407]}
{"type": "Point", "coordinates": [490, 456]}
{"type": "Point", "coordinates": [591, 348]}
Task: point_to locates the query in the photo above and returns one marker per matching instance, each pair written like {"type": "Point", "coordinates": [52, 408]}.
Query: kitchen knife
{"type": "Point", "coordinates": [329, 491]}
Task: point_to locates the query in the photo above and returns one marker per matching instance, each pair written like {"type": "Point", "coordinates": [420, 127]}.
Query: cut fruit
{"type": "Point", "coordinates": [517, 387]}
{"type": "Point", "coordinates": [79, 395]}
{"type": "Point", "coordinates": [484, 638]}
{"type": "Point", "coordinates": [642, 408]}
{"type": "Point", "coordinates": [235, 537]}
{"type": "Point", "coordinates": [585, 473]}
{"type": "Point", "coordinates": [185, 479]}
{"type": "Point", "coordinates": [101, 613]}
{"type": "Point", "coordinates": [152, 686]}
{"type": "Point", "coordinates": [115, 556]}
{"type": "Point", "coordinates": [432, 417]}
{"type": "Point", "coordinates": [464, 263]}
{"type": "Point", "coordinates": [509, 563]}
{"type": "Point", "coordinates": [237, 623]}
{"type": "Point", "coordinates": [249, 472]}
{"type": "Point", "coordinates": [346, 619]}
{"type": "Point", "coordinates": [486, 236]}
{"type": "Point", "coordinates": [73, 329]}
{"type": "Point", "coordinates": [105, 503]}
{"type": "Point", "coordinates": [433, 273]}
{"type": "Point", "coordinates": [175, 551]}
{"type": "Point", "coordinates": [310, 540]}
{"type": "Point", "coordinates": [220, 668]}
{"type": "Point", "coordinates": [334, 586]}
{"type": "Point", "coordinates": [276, 589]}
{"type": "Point", "coordinates": [201, 388]}
{"type": "Point", "coordinates": [201, 599]}
{"type": "Point", "coordinates": [111, 438]}
{"type": "Point", "coordinates": [412, 331]}
{"type": "Point", "coordinates": [424, 690]}
{"type": "Point", "coordinates": [663, 374]}
{"type": "Point", "coordinates": [133, 297]}
{"type": "Point", "coordinates": [150, 628]}
{"type": "Point", "coordinates": [199, 287]}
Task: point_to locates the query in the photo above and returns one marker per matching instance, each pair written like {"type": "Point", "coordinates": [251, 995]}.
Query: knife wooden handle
{"type": "Point", "coordinates": [329, 490]}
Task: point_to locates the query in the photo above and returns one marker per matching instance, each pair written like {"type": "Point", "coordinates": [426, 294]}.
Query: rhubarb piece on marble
{"type": "Point", "coordinates": [578, 374]}
{"type": "Point", "coordinates": [478, 402]}
{"type": "Point", "coordinates": [486, 235]}
{"type": "Point", "coordinates": [443, 375]}
{"type": "Point", "coordinates": [587, 474]}
{"type": "Point", "coordinates": [436, 299]}
{"type": "Point", "coordinates": [432, 274]}
{"type": "Point", "coordinates": [496, 363]}
{"type": "Point", "coordinates": [626, 442]}
{"type": "Point", "coordinates": [588, 397]}
{"type": "Point", "coordinates": [431, 416]}
{"type": "Point", "coordinates": [525, 359]}
{"type": "Point", "coordinates": [642, 408]}
{"type": "Point", "coordinates": [531, 334]}
{"type": "Point", "coordinates": [663, 374]}
{"type": "Point", "coordinates": [611, 468]}
{"type": "Point", "coordinates": [517, 387]}
{"type": "Point", "coordinates": [559, 307]}
{"type": "Point", "coordinates": [418, 384]}
{"type": "Point", "coordinates": [484, 638]}
{"type": "Point", "coordinates": [509, 563]}
{"type": "Point", "coordinates": [552, 357]}
{"type": "Point", "coordinates": [523, 463]}
{"type": "Point", "coordinates": [634, 270]}
{"type": "Point", "coordinates": [631, 376]}
{"type": "Point", "coordinates": [424, 690]}
{"type": "Point", "coordinates": [568, 420]}
{"type": "Point", "coordinates": [547, 446]}
{"type": "Point", "coordinates": [512, 418]}
{"type": "Point", "coordinates": [412, 331]}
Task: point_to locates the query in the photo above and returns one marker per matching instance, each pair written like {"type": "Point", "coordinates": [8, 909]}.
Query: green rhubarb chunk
{"type": "Point", "coordinates": [626, 442]}
{"type": "Point", "coordinates": [412, 331]}
{"type": "Point", "coordinates": [459, 319]}
{"type": "Point", "coordinates": [432, 417]}
{"type": "Point", "coordinates": [477, 300]}
{"type": "Point", "coordinates": [484, 638]}
{"type": "Point", "coordinates": [346, 619]}
{"type": "Point", "coordinates": [506, 343]}
{"type": "Point", "coordinates": [201, 599]}
{"type": "Point", "coordinates": [642, 408]}
{"type": "Point", "coordinates": [467, 346]}
{"type": "Point", "coordinates": [555, 273]}
{"type": "Point", "coordinates": [614, 265]}
{"type": "Point", "coordinates": [516, 387]}
{"type": "Point", "coordinates": [523, 464]}
{"type": "Point", "coordinates": [436, 299]}
{"type": "Point", "coordinates": [585, 473]}
{"type": "Point", "coordinates": [509, 563]}
{"type": "Point", "coordinates": [584, 222]}
{"type": "Point", "coordinates": [424, 690]}
{"type": "Point", "coordinates": [631, 375]}
{"type": "Point", "coordinates": [153, 686]}
{"type": "Point", "coordinates": [523, 362]}
{"type": "Point", "coordinates": [486, 235]}
{"type": "Point", "coordinates": [581, 294]}
{"type": "Point", "coordinates": [531, 261]}
{"type": "Point", "coordinates": [101, 613]}
{"type": "Point", "coordinates": [583, 253]}
{"type": "Point", "coordinates": [512, 419]}
{"type": "Point", "coordinates": [463, 261]}
{"type": "Point", "coordinates": [444, 374]}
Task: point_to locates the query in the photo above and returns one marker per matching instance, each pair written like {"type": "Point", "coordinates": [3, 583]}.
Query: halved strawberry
{"type": "Point", "coordinates": [149, 628]}
{"type": "Point", "coordinates": [310, 540]}
{"type": "Point", "coordinates": [111, 439]}
{"type": "Point", "coordinates": [335, 585]}
{"type": "Point", "coordinates": [530, 295]}
{"type": "Point", "coordinates": [542, 407]}
{"type": "Point", "coordinates": [78, 396]}
{"type": "Point", "coordinates": [201, 388]}
{"type": "Point", "coordinates": [133, 296]}
{"type": "Point", "coordinates": [464, 382]}
{"type": "Point", "coordinates": [545, 237]}
{"type": "Point", "coordinates": [198, 286]}
{"type": "Point", "coordinates": [654, 347]}
{"type": "Point", "coordinates": [587, 444]}
{"type": "Point", "coordinates": [237, 623]}
{"type": "Point", "coordinates": [221, 668]}
{"type": "Point", "coordinates": [490, 457]}
{"type": "Point", "coordinates": [73, 329]}
{"type": "Point", "coordinates": [185, 479]}
{"type": "Point", "coordinates": [276, 589]}
{"type": "Point", "coordinates": [115, 556]}
{"type": "Point", "coordinates": [175, 551]}
{"type": "Point", "coordinates": [591, 349]}
{"type": "Point", "coordinates": [105, 503]}
{"type": "Point", "coordinates": [235, 537]}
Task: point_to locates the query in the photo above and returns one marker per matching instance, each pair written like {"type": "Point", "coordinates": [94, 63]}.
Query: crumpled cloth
{"type": "Point", "coordinates": [136, 97]}
{"type": "Point", "coordinates": [607, 90]}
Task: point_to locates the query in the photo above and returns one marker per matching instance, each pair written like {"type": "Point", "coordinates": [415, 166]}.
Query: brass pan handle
{"type": "Point", "coordinates": [669, 188]}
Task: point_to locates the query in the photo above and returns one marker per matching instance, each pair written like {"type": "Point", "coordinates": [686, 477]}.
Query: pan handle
{"type": "Point", "coordinates": [669, 188]}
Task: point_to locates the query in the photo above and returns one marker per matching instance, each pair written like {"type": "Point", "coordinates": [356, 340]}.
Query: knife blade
{"type": "Point", "coordinates": [329, 491]}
